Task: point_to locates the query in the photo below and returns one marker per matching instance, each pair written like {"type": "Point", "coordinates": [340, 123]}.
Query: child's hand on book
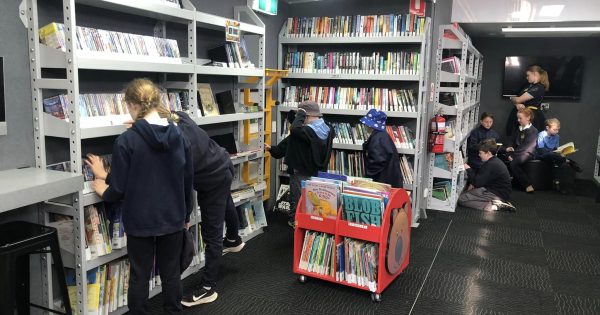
{"type": "Point", "coordinates": [96, 165]}
{"type": "Point", "coordinates": [99, 185]}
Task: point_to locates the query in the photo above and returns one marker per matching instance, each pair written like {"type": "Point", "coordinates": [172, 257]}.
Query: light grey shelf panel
{"type": "Point", "coordinates": [114, 255]}
{"type": "Point", "coordinates": [449, 89]}
{"type": "Point", "coordinates": [366, 77]}
{"type": "Point", "coordinates": [227, 118]}
{"type": "Point", "coordinates": [258, 194]}
{"type": "Point", "coordinates": [448, 43]}
{"type": "Point", "coordinates": [454, 110]}
{"type": "Point", "coordinates": [54, 58]}
{"type": "Point", "coordinates": [210, 21]}
{"type": "Point", "coordinates": [455, 78]}
{"type": "Point", "coordinates": [240, 72]}
{"type": "Point", "coordinates": [241, 159]}
{"type": "Point", "coordinates": [358, 147]}
{"type": "Point", "coordinates": [441, 173]}
{"type": "Point", "coordinates": [151, 9]}
{"type": "Point", "coordinates": [27, 186]}
{"type": "Point", "coordinates": [90, 199]}
{"type": "Point", "coordinates": [353, 112]}
{"type": "Point", "coordinates": [351, 40]}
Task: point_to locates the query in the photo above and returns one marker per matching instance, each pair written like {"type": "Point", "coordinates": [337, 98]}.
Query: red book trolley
{"type": "Point", "coordinates": [392, 237]}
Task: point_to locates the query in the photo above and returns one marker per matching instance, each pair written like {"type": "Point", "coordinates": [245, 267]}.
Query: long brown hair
{"type": "Point", "coordinates": [146, 94]}
{"type": "Point", "coordinates": [543, 76]}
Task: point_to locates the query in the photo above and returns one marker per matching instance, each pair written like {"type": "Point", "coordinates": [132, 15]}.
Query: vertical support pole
{"type": "Point", "coordinates": [192, 78]}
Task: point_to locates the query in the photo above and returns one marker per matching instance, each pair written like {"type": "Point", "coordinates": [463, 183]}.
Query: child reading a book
{"type": "Point", "coordinates": [522, 148]}
{"type": "Point", "coordinates": [490, 188]}
{"type": "Point", "coordinates": [547, 150]}
{"type": "Point", "coordinates": [152, 172]}
{"type": "Point", "coordinates": [382, 162]}
{"type": "Point", "coordinates": [482, 132]}
{"type": "Point", "coordinates": [308, 150]}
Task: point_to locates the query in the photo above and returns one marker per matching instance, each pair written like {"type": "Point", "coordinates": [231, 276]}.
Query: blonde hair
{"type": "Point", "coordinates": [146, 94]}
{"type": "Point", "coordinates": [543, 76]}
{"type": "Point", "coordinates": [552, 122]}
{"type": "Point", "coordinates": [527, 112]}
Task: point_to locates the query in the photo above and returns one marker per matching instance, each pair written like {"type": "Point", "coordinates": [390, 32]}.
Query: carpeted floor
{"type": "Point", "coordinates": [544, 259]}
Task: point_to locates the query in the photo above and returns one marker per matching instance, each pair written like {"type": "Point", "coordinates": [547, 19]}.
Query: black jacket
{"type": "Point", "coordinates": [493, 176]}
{"type": "Point", "coordinates": [306, 152]}
{"type": "Point", "coordinates": [211, 161]}
{"type": "Point", "coordinates": [279, 151]}
{"type": "Point", "coordinates": [525, 142]}
{"type": "Point", "coordinates": [382, 162]}
{"type": "Point", "coordinates": [477, 135]}
{"type": "Point", "coordinates": [151, 172]}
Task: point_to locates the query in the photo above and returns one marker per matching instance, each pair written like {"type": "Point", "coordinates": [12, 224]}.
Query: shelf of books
{"type": "Point", "coordinates": [352, 231]}
{"type": "Point", "coordinates": [457, 92]}
{"type": "Point", "coordinates": [78, 109]}
{"type": "Point", "coordinates": [350, 64]}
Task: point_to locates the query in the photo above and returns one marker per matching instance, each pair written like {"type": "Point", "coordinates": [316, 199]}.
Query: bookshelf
{"type": "Point", "coordinates": [465, 88]}
{"type": "Point", "coordinates": [597, 169]}
{"type": "Point", "coordinates": [387, 41]}
{"type": "Point", "coordinates": [180, 73]}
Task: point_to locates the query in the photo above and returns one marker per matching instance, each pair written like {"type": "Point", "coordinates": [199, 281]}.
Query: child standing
{"type": "Point", "coordinates": [382, 162]}
{"type": "Point", "coordinates": [483, 132]}
{"type": "Point", "coordinates": [549, 140]}
{"type": "Point", "coordinates": [152, 174]}
{"type": "Point", "coordinates": [522, 148]}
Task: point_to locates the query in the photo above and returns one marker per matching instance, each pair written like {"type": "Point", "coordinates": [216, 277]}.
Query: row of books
{"type": "Point", "coordinates": [349, 163]}
{"type": "Point", "coordinates": [360, 98]}
{"type": "Point", "coordinates": [107, 287]}
{"type": "Point", "coordinates": [402, 62]}
{"type": "Point", "coordinates": [442, 189]}
{"type": "Point", "coordinates": [317, 253]}
{"type": "Point", "coordinates": [362, 200]}
{"type": "Point", "coordinates": [357, 263]}
{"type": "Point", "coordinates": [451, 64]}
{"type": "Point", "coordinates": [231, 55]}
{"type": "Point", "coordinates": [348, 133]}
{"type": "Point", "coordinates": [355, 26]}
{"type": "Point", "coordinates": [104, 230]}
{"type": "Point", "coordinates": [251, 216]}
{"type": "Point", "coordinates": [106, 104]}
{"type": "Point", "coordinates": [406, 168]}
{"type": "Point", "coordinates": [96, 40]}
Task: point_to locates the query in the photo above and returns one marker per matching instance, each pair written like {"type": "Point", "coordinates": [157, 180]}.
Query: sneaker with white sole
{"type": "Point", "coordinates": [199, 296]}
{"type": "Point", "coordinates": [504, 206]}
{"type": "Point", "coordinates": [233, 246]}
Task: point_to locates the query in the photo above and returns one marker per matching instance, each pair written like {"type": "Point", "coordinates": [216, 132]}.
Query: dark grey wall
{"type": "Point", "coordinates": [16, 148]}
{"type": "Point", "coordinates": [580, 119]}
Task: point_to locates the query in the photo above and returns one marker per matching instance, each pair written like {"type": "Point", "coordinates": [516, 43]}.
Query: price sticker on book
{"type": "Point", "coordinates": [232, 31]}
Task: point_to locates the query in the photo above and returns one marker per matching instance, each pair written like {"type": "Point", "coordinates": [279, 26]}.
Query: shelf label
{"type": "Point", "coordinates": [312, 217]}
{"type": "Point", "coordinates": [232, 31]}
{"type": "Point", "coordinates": [356, 225]}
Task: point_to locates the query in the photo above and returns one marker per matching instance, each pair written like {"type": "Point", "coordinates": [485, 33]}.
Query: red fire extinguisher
{"type": "Point", "coordinates": [437, 130]}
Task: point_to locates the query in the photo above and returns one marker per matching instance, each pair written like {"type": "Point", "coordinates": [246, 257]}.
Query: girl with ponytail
{"type": "Point", "coordinates": [530, 97]}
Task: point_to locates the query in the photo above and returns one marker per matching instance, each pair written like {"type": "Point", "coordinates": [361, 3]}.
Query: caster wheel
{"type": "Point", "coordinates": [302, 279]}
{"type": "Point", "coordinates": [376, 297]}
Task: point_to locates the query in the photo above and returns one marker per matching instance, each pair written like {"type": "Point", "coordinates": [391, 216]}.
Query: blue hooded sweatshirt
{"type": "Point", "coordinates": [152, 172]}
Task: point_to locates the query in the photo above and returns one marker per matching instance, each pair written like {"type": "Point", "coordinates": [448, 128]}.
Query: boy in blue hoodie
{"type": "Point", "coordinates": [151, 173]}
{"type": "Point", "coordinates": [308, 150]}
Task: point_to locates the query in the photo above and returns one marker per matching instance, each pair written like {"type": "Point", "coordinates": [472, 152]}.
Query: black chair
{"type": "Point", "coordinates": [18, 240]}
{"type": "Point", "coordinates": [540, 174]}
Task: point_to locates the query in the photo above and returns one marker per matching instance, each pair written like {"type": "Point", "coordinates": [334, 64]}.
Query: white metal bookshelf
{"type": "Point", "coordinates": [78, 128]}
{"type": "Point", "coordinates": [597, 166]}
{"type": "Point", "coordinates": [420, 42]}
{"type": "Point", "coordinates": [466, 85]}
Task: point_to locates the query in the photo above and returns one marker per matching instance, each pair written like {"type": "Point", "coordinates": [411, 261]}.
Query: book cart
{"type": "Point", "coordinates": [392, 237]}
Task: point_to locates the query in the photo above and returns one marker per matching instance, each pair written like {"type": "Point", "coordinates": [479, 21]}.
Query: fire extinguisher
{"type": "Point", "coordinates": [437, 130]}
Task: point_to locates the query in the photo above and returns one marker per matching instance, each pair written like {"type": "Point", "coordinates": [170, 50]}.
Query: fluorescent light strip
{"type": "Point", "coordinates": [575, 29]}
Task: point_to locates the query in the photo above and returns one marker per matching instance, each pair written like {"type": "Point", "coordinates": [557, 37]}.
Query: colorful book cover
{"type": "Point", "coordinates": [321, 198]}
{"type": "Point", "coordinates": [363, 210]}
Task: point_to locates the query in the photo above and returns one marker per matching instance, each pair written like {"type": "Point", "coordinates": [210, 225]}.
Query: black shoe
{"type": "Point", "coordinates": [504, 206]}
{"type": "Point", "coordinates": [199, 296]}
{"type": "Point", "coordinates": [560, 188]}
{"type": "Point", "coordinates": [233, 246]}
{"type": "Point", "coordinates": [575, 166]}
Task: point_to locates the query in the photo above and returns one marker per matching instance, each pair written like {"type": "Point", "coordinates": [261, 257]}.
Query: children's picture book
{"type": "Point", "coordinates": [207, 100]}
{"type": "Point", "coordinates": [566, 149]}
{"type": "Point", "coordinates": [364, 183]}
{"type": "Point", "coordinates": [322, 198]}
{"type": "Point", "coordinates": [362, 209]}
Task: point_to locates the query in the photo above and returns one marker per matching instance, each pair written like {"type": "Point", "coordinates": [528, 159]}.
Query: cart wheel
{"type": "Point", "coordinates": [302, 279]}
{"type": "Point", "coordinates": [376, 297]}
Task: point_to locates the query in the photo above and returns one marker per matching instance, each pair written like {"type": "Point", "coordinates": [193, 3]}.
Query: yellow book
{"type": "Point", "coordinates": [566, 149]}
{"type": "Point", "coordinates": [53, 35]}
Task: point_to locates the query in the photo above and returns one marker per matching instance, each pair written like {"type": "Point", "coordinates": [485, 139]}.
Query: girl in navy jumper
{"type": "Point", "coordinates": [151, 173]}
{"type": "Point", "coordinates": [522, 148]}
{"type": "Point", "coordinates": [483, 132]}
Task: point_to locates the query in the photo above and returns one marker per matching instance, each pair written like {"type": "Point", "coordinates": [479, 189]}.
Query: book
{"type": "Point", "coordinates": [366, 183]}
{"type": "Point", "coordinates": [225, 103]}
{"type": "Point", "coordinates": [362, 209]}
{"type": "Point", "coordinates": [321, 198]}
{"type": "Point", "coordinates": [566, 149]}
{"type": "Point", "coordinates": [208, 106]}
{"type": "Point", "coordinates": [317, 253]}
